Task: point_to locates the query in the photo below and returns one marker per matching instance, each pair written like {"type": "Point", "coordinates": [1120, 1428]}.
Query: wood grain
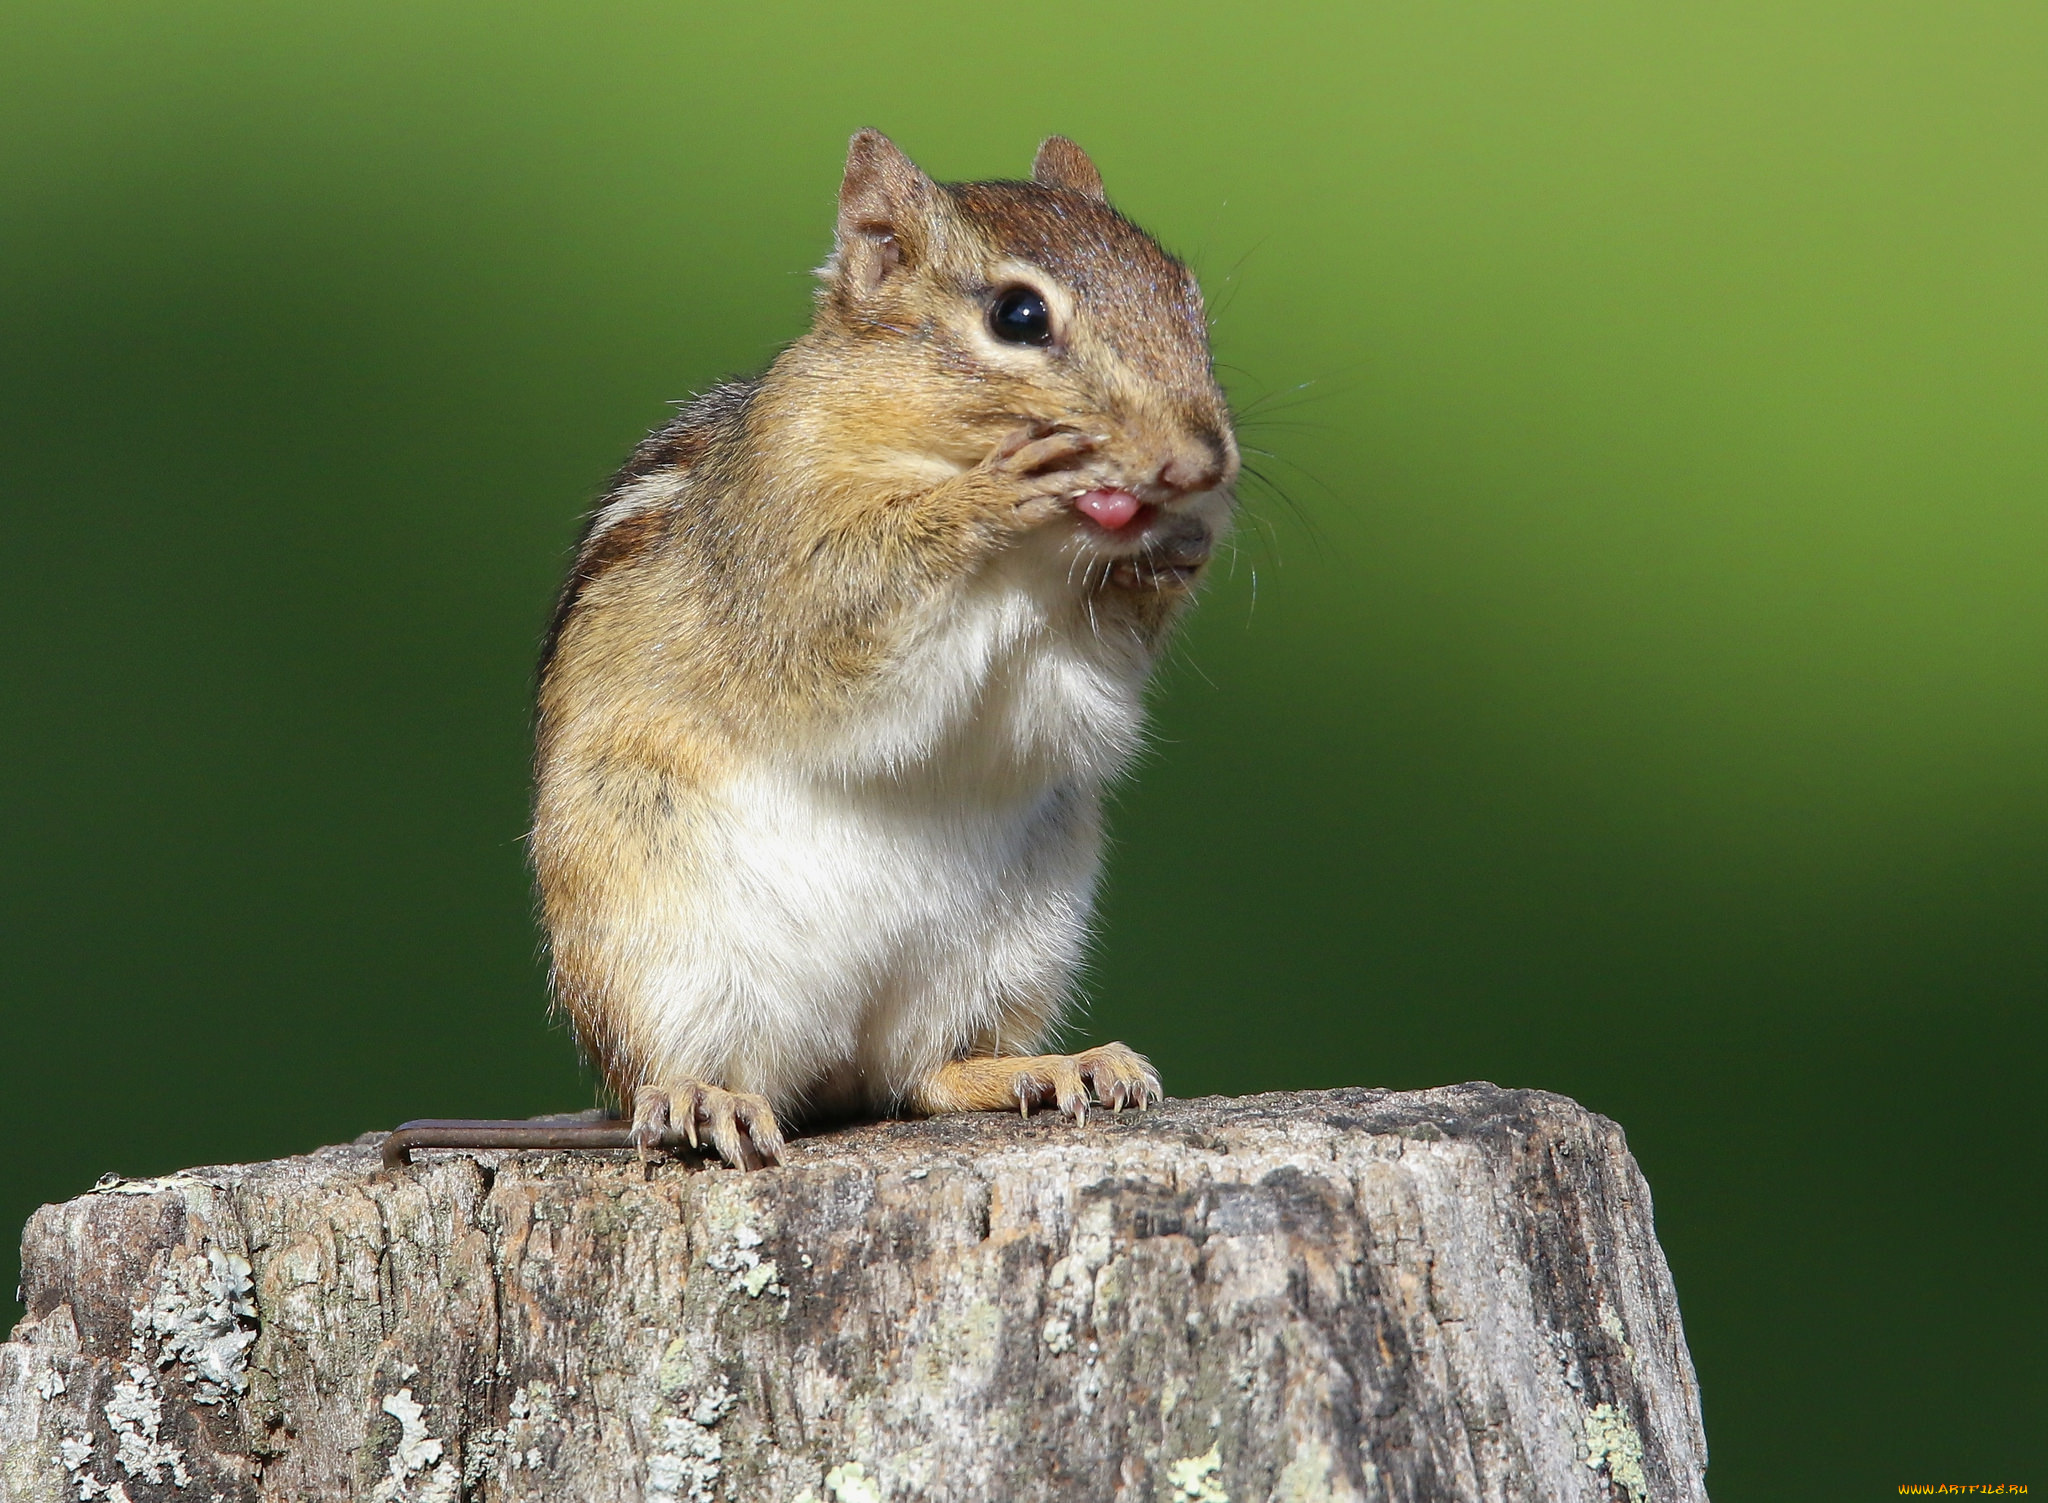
{"type": "Point", "coordinates": [1348, 1294]}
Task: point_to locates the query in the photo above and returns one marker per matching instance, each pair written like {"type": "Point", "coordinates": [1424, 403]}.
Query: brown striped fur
{"type": "Point", "coordinates": [757, 563]}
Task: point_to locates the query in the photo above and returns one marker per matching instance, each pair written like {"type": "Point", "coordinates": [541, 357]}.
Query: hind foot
{"type": "Point", "coordinates": [740, 1125]}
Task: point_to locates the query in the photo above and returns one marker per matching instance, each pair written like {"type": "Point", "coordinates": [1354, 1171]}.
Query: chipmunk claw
{"type": "Point", "coordinates": [1039, 447]}
{"type": "Point", "coordinates": [740, 1125]}
{"type": "Point", "coordinates": [651, 1109]}
{"type": "Point", "coordinates": [1117, 1075]}
{"type": "Point", "coordinates": [1120, 1077]}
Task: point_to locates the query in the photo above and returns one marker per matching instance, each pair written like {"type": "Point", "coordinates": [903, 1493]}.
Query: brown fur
{"type": "Point", "coordinates": [755, 562]}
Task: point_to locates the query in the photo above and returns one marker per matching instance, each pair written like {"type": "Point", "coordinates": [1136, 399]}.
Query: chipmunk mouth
{"type": "Point", "coordinates": [1149, 547]}
{"type": "Point", "coordinates": [1113, 510]}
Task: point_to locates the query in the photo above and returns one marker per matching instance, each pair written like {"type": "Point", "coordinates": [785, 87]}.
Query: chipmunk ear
{"type": "Point", "coordinates": [1062, 164]}
{"type": "Point", "coordinates": [886, 206]}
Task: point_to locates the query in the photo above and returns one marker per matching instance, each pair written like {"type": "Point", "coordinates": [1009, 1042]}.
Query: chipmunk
{"type": "Point", "coordinates": [848, 654]}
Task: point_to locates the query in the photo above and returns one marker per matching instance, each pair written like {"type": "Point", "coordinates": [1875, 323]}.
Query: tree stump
{"type": "Point", "coordinates": [1349, 1294]}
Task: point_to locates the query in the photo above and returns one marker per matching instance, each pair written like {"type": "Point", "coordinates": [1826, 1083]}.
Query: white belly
{"type": "Point", "coordinates": [917, 881]}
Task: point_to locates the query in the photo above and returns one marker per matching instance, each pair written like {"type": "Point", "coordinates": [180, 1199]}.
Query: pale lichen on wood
{"type": "Point", "coordinates": [1333, 1295]}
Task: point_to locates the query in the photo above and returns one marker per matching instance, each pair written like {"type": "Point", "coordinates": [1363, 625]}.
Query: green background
{"type": "Point", "coordinates": [1633, 680]}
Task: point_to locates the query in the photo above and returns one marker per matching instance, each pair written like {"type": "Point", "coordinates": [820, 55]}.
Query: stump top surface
{"type": "Point", "coordinates": [1203, 1125]}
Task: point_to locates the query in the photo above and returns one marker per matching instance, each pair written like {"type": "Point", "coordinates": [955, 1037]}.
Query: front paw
{"type": "Point", "coordinates": [1118, 1075]}
{"type": "Point", "coordinates": [1038, 470]}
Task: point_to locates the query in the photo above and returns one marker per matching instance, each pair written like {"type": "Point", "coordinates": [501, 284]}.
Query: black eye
{"type": "Point", "coordinates": [1019, 316]}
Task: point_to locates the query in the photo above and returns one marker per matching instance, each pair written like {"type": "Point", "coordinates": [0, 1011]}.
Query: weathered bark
{"type": "Point", "coordinates": [1336, 1295]}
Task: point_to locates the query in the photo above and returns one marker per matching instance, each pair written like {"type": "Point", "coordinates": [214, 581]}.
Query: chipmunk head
{"type": "Point", "coordinates": [973, 309]}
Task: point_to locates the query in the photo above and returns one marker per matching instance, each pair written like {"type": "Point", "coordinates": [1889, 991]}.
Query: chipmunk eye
{"type": "Point", "coordinates": [1019, 316]}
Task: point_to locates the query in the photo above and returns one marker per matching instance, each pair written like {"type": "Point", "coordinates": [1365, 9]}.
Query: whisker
{"type": "Point", "coordinates": [1271, 535]}
{"type": "Point", "coordinates": [1252, 407]}
{"type": "Point", "coordinates": [1273, 487]}
{"type": "Point", "coordinates": [1195, 667]}
{"type": "Point", "coordinates": [1263, 421]}
{"type": "Point", "coordinates": [1276, 403]}
{"type": "Point", "coordinates": [1201, 253]}
{"type": "Point", "coordinates": [1300, 469]}
{"type": "Point", "coordinates": [1230, 281]}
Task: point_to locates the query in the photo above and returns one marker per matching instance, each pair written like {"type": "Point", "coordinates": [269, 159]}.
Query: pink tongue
{"type": "Point", "coordinates": [1110, 509]}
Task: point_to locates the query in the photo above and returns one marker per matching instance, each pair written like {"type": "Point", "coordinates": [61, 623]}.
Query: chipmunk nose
{"type": "Point", "coordinates": [1200, 462]}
